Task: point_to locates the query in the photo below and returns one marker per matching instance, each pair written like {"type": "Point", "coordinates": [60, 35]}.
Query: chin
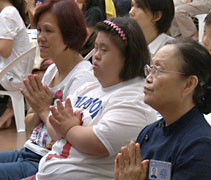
{"type": "Point", "coordinates": [148, 100]}
{"type": "Point", "coordinates": [44, 56]}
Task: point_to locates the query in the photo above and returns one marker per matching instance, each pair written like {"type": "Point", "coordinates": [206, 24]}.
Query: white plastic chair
{"type": "Point", "coordinates": [208, 118]}
{"type": "Point", "coordinates": [16, 96]}
{"type": "Point", "coordinates": [89, 55]}
{"type": "Point", "coordinates": [201, 23]}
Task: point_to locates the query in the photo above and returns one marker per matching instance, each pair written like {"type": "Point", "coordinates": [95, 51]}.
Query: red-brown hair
{"type": "Point", "coordinates": [70, 20]}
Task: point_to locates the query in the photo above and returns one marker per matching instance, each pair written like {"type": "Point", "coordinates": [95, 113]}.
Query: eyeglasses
{"type": "Point", "coordinates": [155, 70]}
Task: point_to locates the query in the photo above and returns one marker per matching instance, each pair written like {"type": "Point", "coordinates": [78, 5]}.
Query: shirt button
{"type": "Point", "coordinates": [146, 137]}
{"type": "Point", "coordinates": [160, 124]}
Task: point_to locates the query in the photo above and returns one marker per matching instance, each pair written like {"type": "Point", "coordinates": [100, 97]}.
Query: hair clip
{"type": "Point", "coordinates": [202, 83]}
{"type": "Point", "coordinates": [117, 29]}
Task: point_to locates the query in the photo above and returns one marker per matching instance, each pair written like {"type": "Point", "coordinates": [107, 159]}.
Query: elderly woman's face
{"type": "Point", "coordinates": [164, 88]}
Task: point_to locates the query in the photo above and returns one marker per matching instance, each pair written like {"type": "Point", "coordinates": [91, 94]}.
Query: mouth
{"type": "Point", "coordinates": [94, 65]}
{"type": "Point", "coordinates": [42, 47]}
{"type": "Point", "coordinates": [147, 89]}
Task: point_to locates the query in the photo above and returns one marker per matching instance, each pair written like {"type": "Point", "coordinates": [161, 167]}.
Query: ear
{"type": "Point", "coordinates": [190, 85]}
{"type": "Point", "coordinates": [157, 16]}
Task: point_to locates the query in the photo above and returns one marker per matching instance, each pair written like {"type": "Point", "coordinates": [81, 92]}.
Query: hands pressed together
{"type": "Point", "coordinates": [38, 95]}
{"type": "Point", "coordinates": [63, 118]}
{"type": "Point", "coordinates": [129, 164]}
{"type": "Point", "coordinates": [40, 98]}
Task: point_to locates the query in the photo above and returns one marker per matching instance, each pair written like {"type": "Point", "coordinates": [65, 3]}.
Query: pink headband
{"type": "Point", "coordinates": [117, 29]}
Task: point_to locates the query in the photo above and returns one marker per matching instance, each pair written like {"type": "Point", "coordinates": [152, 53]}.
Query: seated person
{"type": "Point", "coordinates": [122, 7]}
{"type": "Point", "coordinates": [31, 6]}
{"type": "Point", "coordinates": [94, 13]}
{"type": "Point", "coordinates": [110, 9]}
{"type": "Point", "coordinates": [178, 85]}
{"type": "Point", "coordinates": [112, 109]}
{"type": "Point", "coordinates": [40, 71]}
{"type": "Point", "coordinates": [62, 43]}
{"type": "Point", "coordinates": [154, 18]}
{"type": "Point", "coordinates": [206, 40]}
{"type": "Point", "coordinates": [183, 24]}
{"type": "Point", "coordinates": [13, 42]}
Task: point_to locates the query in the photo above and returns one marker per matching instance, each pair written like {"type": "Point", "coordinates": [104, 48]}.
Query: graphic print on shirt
{"type": "Point", "coordinates": [90, 105]}
{"type": "Point", "coordinates": [40, 134]}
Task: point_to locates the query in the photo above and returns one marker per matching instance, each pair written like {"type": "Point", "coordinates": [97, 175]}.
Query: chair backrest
{"type": "Point", "coordinates": [201, 23]}
{"type": "Point", "coordinates": [29, 54]}
{"type": "Point", "coordinates": [89, 55]}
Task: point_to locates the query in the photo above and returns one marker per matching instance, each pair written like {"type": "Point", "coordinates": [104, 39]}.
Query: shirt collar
{"type": "Point", "coordinates": [157, 43]}
{"type": "Point", "coordinates": [180, 123]}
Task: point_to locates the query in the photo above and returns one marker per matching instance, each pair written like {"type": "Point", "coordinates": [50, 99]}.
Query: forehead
{"type": "Point", "coordinates": [103, 38]}
{"type": "Point", "coordinates": [166, 56]}
{"type": "Point", "coordinates": [48, 17]}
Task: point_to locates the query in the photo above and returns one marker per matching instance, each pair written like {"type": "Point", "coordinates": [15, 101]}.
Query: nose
{"type": "Point", "coordinates": [41, 37]}
{"type": "Point", "coordinates": [149, 78]}
{"type": "Point", "coordinates": [131, 12]}
{"type": "Point", "coordinates": [96, 54]}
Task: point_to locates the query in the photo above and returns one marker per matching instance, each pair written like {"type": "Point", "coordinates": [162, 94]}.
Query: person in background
{"type": "Point", "coordinates": [31, 6]}
{"type": "Point", "coordinates": [154, 18]}
{"type": "Point", "coordinates": [43, 67]}
{"type": "Point", "coordinates": [94, 13]}
{"type": "Point", "coordinates": [122, 7]}
{"type": "Point", "coordinates": [13, 42]}
{"type": "Point", "coordinates": [178, 85]}
{"type": "Point", "coordinates": [112, 109]}
{"type": "Point", "coordinates": [61, 34]}
{"type": "Point", "coordinates": [110, 9]}
{"type": "Point", "coordinates": [206, 40]}
{"type": "Point", "coordinates": [183, 24]}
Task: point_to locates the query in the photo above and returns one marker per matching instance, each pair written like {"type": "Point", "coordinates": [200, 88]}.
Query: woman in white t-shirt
{"type": "Point", "coordinates": [61, 34]}
{"type": "Point", "coordinates": [13, 42]}
{"type": "Point", "coordinates": [112, 109]}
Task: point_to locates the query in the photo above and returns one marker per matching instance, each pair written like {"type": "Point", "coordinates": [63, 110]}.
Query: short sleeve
{"type": "Point", "coordinates": [9, 23]}
{"type": "Point", "coordinates": [123, 118]}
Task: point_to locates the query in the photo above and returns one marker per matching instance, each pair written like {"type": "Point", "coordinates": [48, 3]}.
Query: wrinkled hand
{"type": "Point", "coordinates": [129, 165]}
{"type": "Point", "coordinates": [38, 96]}
{"type": "Point", "coordinates": [63, 118]}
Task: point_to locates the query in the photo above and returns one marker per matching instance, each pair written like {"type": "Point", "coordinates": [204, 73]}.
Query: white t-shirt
{"type": "Point", "coordinates": [13, 28]}
{"type": "Point", "coordinates": [117, 114]}
{"type": "Point", "coordinates": [40, 141]}
{"type": "Point", "coordinates": [158, 43]}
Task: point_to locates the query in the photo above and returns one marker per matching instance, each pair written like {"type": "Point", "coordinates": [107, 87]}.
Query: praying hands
{"type": "Point", "coordinates": [129, 164]}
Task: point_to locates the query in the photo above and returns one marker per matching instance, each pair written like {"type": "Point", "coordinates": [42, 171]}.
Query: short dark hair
{"type": "Point", "coordinates": [208, 19]}
{"type": "Point", "coordinates": [196, 61]}
{"type": "Point", "coordinates": [134, 50]}
{"type": "Point", "coordinates": [70, 21]}
{"type": "Point", "coordinates": [166, 7]}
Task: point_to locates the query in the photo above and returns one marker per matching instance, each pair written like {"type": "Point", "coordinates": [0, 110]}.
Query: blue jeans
{"type": "Point", "coordinates": [15, 165]}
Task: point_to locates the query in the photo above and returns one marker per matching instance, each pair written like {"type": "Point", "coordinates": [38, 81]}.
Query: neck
{"type": "Point", "coordinates": [66, 62]}
{"type": "Point", "coordinates": [173, 113]}
{"type": "Point", "coordinates": [150, 35]}
{"type": "Point", "coordinates": [4, 4]}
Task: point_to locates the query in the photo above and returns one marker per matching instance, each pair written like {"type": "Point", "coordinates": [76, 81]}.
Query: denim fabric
{"type": "Point", "coordinates": [15, 165]}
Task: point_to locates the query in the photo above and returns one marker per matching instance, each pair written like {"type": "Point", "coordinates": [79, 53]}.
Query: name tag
{"type": "Point", "coordinates": [159, 170]}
